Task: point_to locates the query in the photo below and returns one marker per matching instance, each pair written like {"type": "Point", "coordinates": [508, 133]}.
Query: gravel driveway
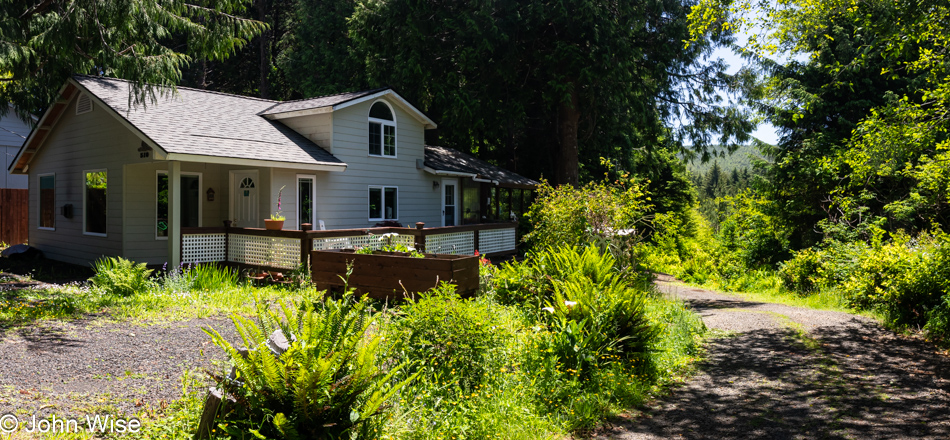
{"type": "Point", "coordinates": [781, 372]}
{"type": "Point", "coordinates": [81, 367]}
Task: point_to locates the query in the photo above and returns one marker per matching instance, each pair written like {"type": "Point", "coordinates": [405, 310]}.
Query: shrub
{"type": "Point", "coordinates": [904, 279]}
{"type": "Point", "coordinates": [327, 385]}
{"type": "Point", "coordinates": [531, 283]}
{"type": "Point", "coordinates": [119, 276]}
{"type": "Point", "coordinates": [938, 322]}
{"type": "Point", "coordinates": [610, 215]}
{"type": "Point", "coordinates": [451, 337]}
{"type": "Point", "coordinates": [801, 272]}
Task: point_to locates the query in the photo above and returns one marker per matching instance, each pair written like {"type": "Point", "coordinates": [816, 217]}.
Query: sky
{"type": "Point", "coordinates": [765, 132]}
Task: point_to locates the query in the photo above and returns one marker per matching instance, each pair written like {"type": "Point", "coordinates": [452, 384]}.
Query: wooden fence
{"type": "Point", "coordinates": [14, 215]}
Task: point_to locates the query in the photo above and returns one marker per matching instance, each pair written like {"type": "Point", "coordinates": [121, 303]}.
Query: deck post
{"type": "Point", "coordinates": [174, 214]}
{"type": "Point", "coordinates": [420, 237]}
{"type": "Point", "coordinates": [306, 246]}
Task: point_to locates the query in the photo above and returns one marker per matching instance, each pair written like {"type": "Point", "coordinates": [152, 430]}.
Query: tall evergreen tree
{"type": "Point", "coordinates": [561, 82]}
{"type": "Point", "coordinates": [43, 42]}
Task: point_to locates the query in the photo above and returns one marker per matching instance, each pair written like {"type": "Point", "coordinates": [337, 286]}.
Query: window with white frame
{"type": "Point", "coordinates": [382, 130]}
{"type": "Point", "coordinates": [47, 201]}
{"type": "Point", "coordinates": [190, 213]}
{"type": "Point", "coordinates": [383, 203]}
{"type": "Point", "coordinates": [94, 216]}
{"type": "Point", "coordinates": [306, 192]}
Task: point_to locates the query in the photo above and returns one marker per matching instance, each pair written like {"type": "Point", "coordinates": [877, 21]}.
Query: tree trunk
{"type": "Point", "coordinates": [265, 46]}
{"type": "Point", "coordinates": [568, 117]}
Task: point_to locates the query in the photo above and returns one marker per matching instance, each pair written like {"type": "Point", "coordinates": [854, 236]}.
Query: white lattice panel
{"type": "Point", "coordinates": [264, 251]}
{"type": "Point", "coordinates": [456, 243]}
{"type": "Point", "coordinates": [361, 241]}
{"type": "Point", "coordinates": [496, 240]}
{"type": "Point", "coordinates": [202, 248]}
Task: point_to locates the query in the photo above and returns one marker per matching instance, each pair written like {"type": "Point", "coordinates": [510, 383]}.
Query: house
{"type": "Point", "coordinates": [13, 131]}
{"type": "Point", "coordinates": [109, 178]}
{"type": "Point", "coordinates": [13, 189]}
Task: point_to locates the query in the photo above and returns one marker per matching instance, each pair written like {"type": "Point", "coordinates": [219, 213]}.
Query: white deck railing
{"type": "Point", "coordinates": [287, 249]}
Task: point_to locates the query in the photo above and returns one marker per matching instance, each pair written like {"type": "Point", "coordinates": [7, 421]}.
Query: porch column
{"type": "Point", "coordinates": [174, 214]}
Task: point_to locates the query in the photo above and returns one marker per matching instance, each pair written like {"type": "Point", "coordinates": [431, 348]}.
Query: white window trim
{"type": "Point", "coordinates": [313, 198]}
{"type": "Point", "coordinates": [39, 205]}
{"type": "Point", "coordinates": [85, 207]}
{"type": "Point", "coordinates": [382, 188]}
{"type": "Point", "coordinates": [383, 123]}
{"type": "Point", "coordinates": [455, 197]}
{"type": "Point", "coordinates": [201, 201]}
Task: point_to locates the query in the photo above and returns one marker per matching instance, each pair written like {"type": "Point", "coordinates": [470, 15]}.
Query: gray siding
{"type": "Point", "coordinates": [90, 141]}
{"type": "Point", "coordinates": [13, 132]}
{"type": "Point", "coordinates": [343, 198]}
{"type": "Point", "coordinates": [317, 128]}
{"type": "Point", "coordinates": [141, 243]}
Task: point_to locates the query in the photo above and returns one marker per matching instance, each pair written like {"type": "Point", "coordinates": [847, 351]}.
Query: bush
{"type": "Point", "coordinates": [327, 385]}
{"type": "Point", "coordinates": [801, 272]}
{"type": "Point", "coordinates": [904, 279]}
{"type": "Point", "coordinates": [119, 276]}
{"type": "Point", "coordinates": [938, 322]}
{"type": "Point", "coordinates": [450, 337]}
{"type": "Point", "coordinates": [530, 284]}
{"type": "Point", "coordinates": [612, 216]}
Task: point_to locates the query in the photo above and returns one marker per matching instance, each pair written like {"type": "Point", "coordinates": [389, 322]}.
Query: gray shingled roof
{"type": "Point", "coordinates": [318, 102]}
{"type": "Point", "coordinates": [210, 124]}
{"type": "Point", "coordinates": [448, 159]}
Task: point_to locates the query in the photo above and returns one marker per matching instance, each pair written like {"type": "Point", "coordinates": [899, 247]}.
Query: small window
{"type": "Point", "coordinates": [47, 201]}
{"type": "Point", "coordinates": [94, 202]}
{"type": "Point", "coordinates": [83, 104]}
{"type": "Point", "coordinates": [383, 203]}
{"type": "Point", "coordinates": [305, 202]}
{"type": "Point", "coordinates": [382, 131]}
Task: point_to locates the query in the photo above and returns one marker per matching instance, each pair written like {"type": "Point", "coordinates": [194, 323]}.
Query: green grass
{"type": "Point", "coordinates": [24, 307]}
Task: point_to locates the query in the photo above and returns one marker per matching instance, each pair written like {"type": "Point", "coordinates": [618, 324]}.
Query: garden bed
{"type": "Point", "coordinates": [390, 275]}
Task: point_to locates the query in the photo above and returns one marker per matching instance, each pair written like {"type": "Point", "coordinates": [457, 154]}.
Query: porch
{"type": "Point", "coordinates": [288, 249]}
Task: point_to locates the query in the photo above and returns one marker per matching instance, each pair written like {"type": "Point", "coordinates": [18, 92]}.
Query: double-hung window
{"type": "Point", "coordinates": [383, 203]}
{"type": "Point", "coordinates": [382, 130]}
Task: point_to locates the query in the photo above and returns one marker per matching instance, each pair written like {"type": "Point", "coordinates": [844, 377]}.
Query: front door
{"type": "Point", "coordinates": [449, 202]}
{"type": "Point", "coordinates": [245, 207]}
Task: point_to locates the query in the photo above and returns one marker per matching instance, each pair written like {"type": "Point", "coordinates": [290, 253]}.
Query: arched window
{"type": "Point", "coordinates": [382, 130]}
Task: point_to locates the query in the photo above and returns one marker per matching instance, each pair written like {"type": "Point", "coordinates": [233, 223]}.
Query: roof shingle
{"type": "Point", "coordinates": [207, 123]}
{"type": "Point", "coordinates": [448, 159]}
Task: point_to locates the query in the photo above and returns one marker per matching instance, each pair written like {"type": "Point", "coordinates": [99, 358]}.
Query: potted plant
{"type": "Point", "coordinates": [276, 220]}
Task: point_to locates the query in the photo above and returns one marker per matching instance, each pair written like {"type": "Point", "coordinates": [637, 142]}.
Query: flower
{"type": "Point", "coordinates": [548, 309]}
{"type": "Point", "coordinates": [570, 303]}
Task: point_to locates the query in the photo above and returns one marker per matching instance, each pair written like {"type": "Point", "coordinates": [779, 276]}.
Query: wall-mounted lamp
{"type": "Point", "coordinates": [67, 210]}
{"type": "Point", "coordinates": [435, 184]}
{"type": "Point", "coordinates": [210, 194]}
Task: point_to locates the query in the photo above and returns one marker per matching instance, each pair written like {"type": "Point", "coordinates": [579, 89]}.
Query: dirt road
{"type": "Point", "coordinates": [781, 372]}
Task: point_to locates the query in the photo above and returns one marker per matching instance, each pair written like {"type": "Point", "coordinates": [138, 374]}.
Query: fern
{"type": "Point", "coordinates": [328, 384]}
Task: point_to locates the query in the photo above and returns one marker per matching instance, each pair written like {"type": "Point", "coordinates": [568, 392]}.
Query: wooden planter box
{"type": "Point", "coordinates": [379, 275]}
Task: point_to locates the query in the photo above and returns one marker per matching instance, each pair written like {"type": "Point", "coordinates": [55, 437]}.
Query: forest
{"type": "Point", "coordinates": [643, 142]}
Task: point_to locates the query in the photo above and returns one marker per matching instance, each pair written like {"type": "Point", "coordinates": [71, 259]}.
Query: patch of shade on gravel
{"type": "Point", "coordinates": [795, 373]}
{"type": "Point", "coordinates": [75, 368]}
